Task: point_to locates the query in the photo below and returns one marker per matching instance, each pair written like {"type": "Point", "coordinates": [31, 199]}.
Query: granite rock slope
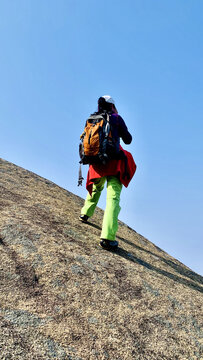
{"type": "Point", "coordinates": [64, 297]}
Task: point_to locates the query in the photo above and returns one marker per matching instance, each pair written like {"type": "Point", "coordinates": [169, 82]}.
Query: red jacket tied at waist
{"type": "Point", "coordinates": [113, 167]}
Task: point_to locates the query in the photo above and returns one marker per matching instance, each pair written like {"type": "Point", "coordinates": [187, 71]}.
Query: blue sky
{"type": "Point", "coordinates": [58, 57]}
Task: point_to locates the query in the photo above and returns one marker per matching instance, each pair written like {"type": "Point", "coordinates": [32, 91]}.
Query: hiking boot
{"type": "Point", "coordinates": [109, 244]}
{"type": "Point", "coordinates": [83, 218]}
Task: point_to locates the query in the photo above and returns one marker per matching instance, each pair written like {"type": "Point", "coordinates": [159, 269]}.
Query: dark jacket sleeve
{"type": "Point", "coordinates": [123, 131]}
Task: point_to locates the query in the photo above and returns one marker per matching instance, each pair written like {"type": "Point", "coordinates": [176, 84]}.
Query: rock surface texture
{"type": "Point", "coordinates": [64, 297]}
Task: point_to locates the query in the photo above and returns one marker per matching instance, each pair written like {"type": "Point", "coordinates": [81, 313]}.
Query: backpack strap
{"type": "Point", "coordinates": [80, 178]}
{"type": "Point", "coordinates": [107, 127]}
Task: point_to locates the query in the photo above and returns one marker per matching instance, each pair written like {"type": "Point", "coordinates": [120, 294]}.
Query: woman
{"type": "Point", "coordinates": [114, 172]}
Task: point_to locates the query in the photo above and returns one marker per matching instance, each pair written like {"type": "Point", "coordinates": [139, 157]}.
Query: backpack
{"type": "Point", "coordinates": [97, 146]}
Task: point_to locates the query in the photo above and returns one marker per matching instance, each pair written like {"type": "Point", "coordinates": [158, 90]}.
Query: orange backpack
{"type": "Point", "coordinates": [96, 142]}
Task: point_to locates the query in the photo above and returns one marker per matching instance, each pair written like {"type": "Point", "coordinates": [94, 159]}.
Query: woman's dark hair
{"type": "Point", "coordinates": [103, 105]}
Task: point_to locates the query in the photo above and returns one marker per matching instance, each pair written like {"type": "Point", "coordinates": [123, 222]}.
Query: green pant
{"type": "Point", "coordinates": [110, 220]}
